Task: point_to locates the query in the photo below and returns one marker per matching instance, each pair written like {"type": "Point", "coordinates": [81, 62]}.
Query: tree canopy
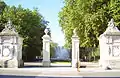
{"type": "Point", "coordinates": [90, 17]}
{"type": "Point", "coordinates": [29, 24]}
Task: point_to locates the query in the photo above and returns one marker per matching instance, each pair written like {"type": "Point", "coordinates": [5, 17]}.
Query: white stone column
{"type": "Point", "coordinates": [46, 49]}
{"type": "Point", "coordinates": [109, 43]}
{"type": "Point", "coordinates": [75, 48]}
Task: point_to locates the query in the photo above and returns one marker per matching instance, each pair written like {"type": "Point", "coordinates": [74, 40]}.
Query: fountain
{"type": "Point", "coordinates": [61, 53]}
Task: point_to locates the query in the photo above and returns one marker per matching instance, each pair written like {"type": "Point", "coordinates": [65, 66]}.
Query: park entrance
{"type": "Point", "coordinates": [11, 49]}
{"type": "Point", "coordinates": [61, 53]}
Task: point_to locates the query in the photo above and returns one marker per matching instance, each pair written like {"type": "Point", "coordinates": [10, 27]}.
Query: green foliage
{"type": "Point", "coordinates": [2, 7]}
{"type": "Point", "coordinates": [90, 17]}
{"type": "Point", "coordinates": [115, 11]}
{"type": "Point", "coordinates": [52, 47]}
{"type": "Point", "coordinates": [28, 24]}
{"type": "Point", "coordinates": [95, 52]}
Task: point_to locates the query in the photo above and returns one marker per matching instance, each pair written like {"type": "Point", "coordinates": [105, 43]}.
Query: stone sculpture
{"type": "Point", "coordinates": [110, 47]}
{"type": "Point", "coordinates": [10, 47]}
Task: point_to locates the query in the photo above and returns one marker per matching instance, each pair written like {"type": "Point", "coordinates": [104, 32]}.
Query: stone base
{"type": "Point", "coordinates": [2, 63]}
{"type": "Point", "coordinates": [115, 64]}
{"type": "Point", "coordinates": [74, 63]}
{"type": "Point", "coordinates": [20, 63]}
{"type": "Point", "coordinates": [46, 63]}
{"type": "Point", "coordinates": [104, 64]}
{"type": "Point", "coordinates": [11, 63]}
{"type": "Point", "coordinates": [112, 63]}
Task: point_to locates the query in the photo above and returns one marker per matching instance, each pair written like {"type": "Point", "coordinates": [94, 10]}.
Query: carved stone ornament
{"type": "Point", "coordinates": [9, 29]}
{"type": "Point", "coordinates": [111, 23]}
{"type": "Point", "coordinates": [46, 31]}
{"type": "Point", "coordinates": [112, 29]}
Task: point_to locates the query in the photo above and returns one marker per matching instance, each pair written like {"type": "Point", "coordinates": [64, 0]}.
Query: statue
{"type": "Point", "coordinates": [9, 27]}
{"type": "Point", "coordinates": [74, 32]}
{"type": "Point", "coordinates": [46, 31]}
{"type": "Point", "coordinates": [111, 23]}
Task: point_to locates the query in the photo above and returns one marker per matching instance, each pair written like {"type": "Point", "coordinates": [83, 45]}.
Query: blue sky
{"type": "Point", "coordinates": [49, 10]}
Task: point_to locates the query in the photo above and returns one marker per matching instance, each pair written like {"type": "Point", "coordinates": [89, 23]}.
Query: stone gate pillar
{"type": "Point", "coordinates": [46, 49]}
{"type": "Point", "coordinates": [75, 48]}
{"type": "Point", "coordinates": [10, 47]}
{"type": "Point", "coordinates": [109, 43]}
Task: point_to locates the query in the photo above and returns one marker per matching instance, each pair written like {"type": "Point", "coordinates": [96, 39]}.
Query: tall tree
{"type": "Point", "coordinates": [29, 24]}
{"type": "Point", "coordinates": [2, 7]}
{"type": "Point", "coordinates": [90, 17]}
{"type": "Point", "coordinates": [115, 11]}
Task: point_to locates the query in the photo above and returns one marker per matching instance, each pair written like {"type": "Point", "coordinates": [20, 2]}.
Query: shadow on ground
{"type": "Point", "coordinates": [36, 66]}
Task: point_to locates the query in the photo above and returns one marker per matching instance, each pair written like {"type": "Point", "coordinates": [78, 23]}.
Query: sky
{"type": "Point", "coordinates": [49, 9]}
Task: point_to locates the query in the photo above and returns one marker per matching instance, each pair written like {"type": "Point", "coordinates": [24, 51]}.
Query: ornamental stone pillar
{"type": "Point", "coordinates": [10, 47]}
{"type": "Point", "coordinates": [109, 43]}
{"type": "Point", "coordinates": [75, 49]}
{"type": "Point", "coordinates": [46, 49]}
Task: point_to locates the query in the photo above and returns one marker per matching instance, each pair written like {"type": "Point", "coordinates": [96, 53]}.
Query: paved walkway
{"type": "Point", "coordinates": [87, 64]}
{"type": "Point", "coordinates": [61, 71]}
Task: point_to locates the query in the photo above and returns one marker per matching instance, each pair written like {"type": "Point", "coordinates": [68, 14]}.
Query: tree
{"type": "Point", "coordinates": [90, 17]}
{"type": "Point", "coordinates": [115, 11]}
{"type": "Point", "coordinates": [52, 48]}
{"type": "Point", "coordinates": [2, 7]}
{"type": "Point", "coordinates": [28, 24]}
